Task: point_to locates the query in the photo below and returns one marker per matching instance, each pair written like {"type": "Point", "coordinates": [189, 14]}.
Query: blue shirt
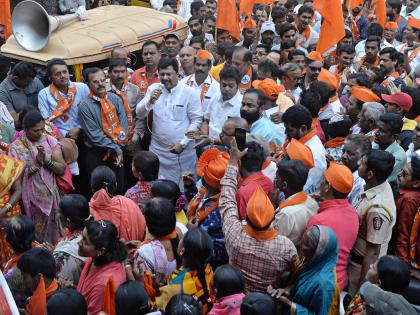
{"type": "Point", "coordinates": [47, 104]}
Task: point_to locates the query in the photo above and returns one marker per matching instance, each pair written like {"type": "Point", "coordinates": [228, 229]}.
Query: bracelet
{"type": "Point", "coordinates": [50, 164]}
{"type": "Point", "coordinates": [8, 206]}
{"type": "Point", "coordinates": [32, 170]}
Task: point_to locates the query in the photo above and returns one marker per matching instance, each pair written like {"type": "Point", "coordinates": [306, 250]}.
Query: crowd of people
{"type": "Point", "coordinates": [228, 174]}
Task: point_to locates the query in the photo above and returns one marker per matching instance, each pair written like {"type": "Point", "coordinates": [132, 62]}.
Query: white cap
{"type": "Point", "coordinates": [268, 26]}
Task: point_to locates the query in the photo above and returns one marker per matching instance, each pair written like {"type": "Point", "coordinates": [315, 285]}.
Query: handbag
{"type": "Point", "coordinates": [65, 182]}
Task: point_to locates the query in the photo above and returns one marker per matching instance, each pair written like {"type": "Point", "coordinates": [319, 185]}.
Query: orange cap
{"type": "Point", "coordinates": [413, 22]}
{"type": "Point", "coordinates": [364, 94]}
{"type": "Point", "coordinates": [203, 54]}
{"type": "Point", "coordinates": [339, 177]}
{"type": "Point", "coordinates": [391, 26]}
{"type": "Point", "coordinates": [329, 78]}
{"type": "Point", "coordinates": [260, 210]}
{"type": "Point", "coordinates": [211, 166]}
{"type": "Point", "coordinates": [249, 23]}
{"type": "Point", "coordinates": [298, 151]}
{"type": "Point", "coordinates": [269, 87]}
{"type": "Point", "coordinates": [315, 56]}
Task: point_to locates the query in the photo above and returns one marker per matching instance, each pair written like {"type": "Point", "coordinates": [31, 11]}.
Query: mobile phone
{"type": "Point", "coordinates": [240, 137]}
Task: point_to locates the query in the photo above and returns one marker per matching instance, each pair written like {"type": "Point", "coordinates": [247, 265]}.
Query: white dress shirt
{"type": "Point", "coordinates": [317, 172]}
{"type": "Point", "coordinates": [212, 91]}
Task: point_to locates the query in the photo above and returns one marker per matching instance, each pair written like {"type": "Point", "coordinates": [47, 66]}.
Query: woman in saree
{"type": "Point", "coordinates": [44, 161]}
{"type": "Point", "coordinates": [315, 291]}
{"type": "Point", "coordinates": [10, 194]}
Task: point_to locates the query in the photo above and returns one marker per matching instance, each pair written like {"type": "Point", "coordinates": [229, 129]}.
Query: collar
{"type": "Point", "coordinates": [11, 85]}
{"type": "Point", "coordinates": [232, 101]}
{"type": "Point", "coordinates": [254, 177]}
{"type": "Point", "coordinates": [374, 191]}
{"type": "Point", "coordinates": [330, 204]}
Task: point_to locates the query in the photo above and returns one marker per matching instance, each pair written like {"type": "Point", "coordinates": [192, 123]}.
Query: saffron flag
{"type": "Point", "coordinates": [380, 11]}
{"type": "Point", "coordinates": [227, 17]}
{"type": "Point", "coordinates": [332, 28]}
{"type": "Point", "coordinates": [246, 6]}
{"type": "Point", "coordinates": [5, 17]}
{"type": "Point", "coordinates": [351, 4]}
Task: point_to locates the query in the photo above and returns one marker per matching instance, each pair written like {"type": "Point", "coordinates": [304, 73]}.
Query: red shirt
{"type": "Point", "coordinates": [139, 78]}
{"type": "Point", "coordinates": [342, 218]}
{"type": "Point", "coordinates": [248, 187]}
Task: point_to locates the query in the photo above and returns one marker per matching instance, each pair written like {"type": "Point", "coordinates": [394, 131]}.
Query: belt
{"type": "Point", "coordinates": [356, 258]}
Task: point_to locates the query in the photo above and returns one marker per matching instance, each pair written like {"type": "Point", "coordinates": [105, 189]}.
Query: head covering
{"type": "Point", "coordinates": [261, 141]}
{"type": "Point", "coordinates": [260, 210]}
{"type": "Point", "coordinates": [170, 35]}
{"type": "Point", "coordinates": [268, 26]}
{"type": "Point", "coordinates": [203, 54]}
{"type": "Point", "coordinates": [329, 78]}
{"type": "Point", "coordinates": [211, 166]}
{"type": "Point", "coordinates": [269, 87]}
{"type": "Point", "coordinates": [401, 99]}
{"type": "Point", "coordinates": [298, 151]}
{"type": "Point", "coordinates": [249, 23]}
{"type": "Point", "coordinates": [339, 177]}
{"type": "Point", "coordinates": [315, 56]}
{"type": "Point", "coordinates": [413, 22]}
{"type": "Point", "coordinates": [364, 94]}
{"type": "Point", "coordinates": [391, 25]}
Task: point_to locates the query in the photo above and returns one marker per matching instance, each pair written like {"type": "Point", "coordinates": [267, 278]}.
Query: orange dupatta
{"type": "Point", "coordinates": [37, 304]}
{"type": "Point", "coordinates": [303, 140]}
{"type": "Point", "coordinates": [123, 95]}
{"type": "Point", "coordinates": [109, 300]}
{"type": "Point", "coordinates": [204, 88]}
{"type": "Point", "coordinates": [260, 235]}
{"type": "Point", "coordinates": [334, 143]}
{"type": "Point", "coordinates": [194, 211]}
{"type": "Point", "coordinates": [374, 64]}
{"type": "Point", "coordinates": [63, 104]}
{"type": "Point", "coordinates": [297, 199]}
{"type": "Point", "coordinates": [110, 120]}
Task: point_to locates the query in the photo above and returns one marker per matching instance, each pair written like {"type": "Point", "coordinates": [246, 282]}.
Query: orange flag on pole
{"type": "Point", "coordinates": [227, 17]}
{"type": "Point", "coordinates": [353, 4]}
{"type": "Point", "coordinates": [332, 28]}
{"type": "Point", "coordinates": [5, 17]}
{"type": "Point", "coordinates": [245, 7]}
{"type": "Point", "coordinates": [380, 11]}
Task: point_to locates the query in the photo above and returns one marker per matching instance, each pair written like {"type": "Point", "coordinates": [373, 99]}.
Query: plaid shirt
{"type": "Point", "coordinates": [261, 262]}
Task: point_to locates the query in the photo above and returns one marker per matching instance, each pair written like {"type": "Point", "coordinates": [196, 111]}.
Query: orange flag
{"type": "Point", "coordinates": [380, 11]}
{"type": "Point", "coordinates": [332, 28]}
{"type": "Point", "coordinates": [5, 17]}
{"type": "Point", "coordinates": [245, 7]}
{"type": "Point", "coordinates": [353, 4]}
{"type": "Point", "coordinates": [109, 301]}
{"type": "Point", "coordinates": [227, 17]}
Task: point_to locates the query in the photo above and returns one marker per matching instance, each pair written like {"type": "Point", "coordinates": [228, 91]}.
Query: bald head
{"type": "Point", "coordinates": [121, 53]}
{"type": "Point", "coordinates": [241, 59]}
{"type": "Point", "coordinates": [228, 131]}
{"type": "Point", "coordinates": [186, 57]}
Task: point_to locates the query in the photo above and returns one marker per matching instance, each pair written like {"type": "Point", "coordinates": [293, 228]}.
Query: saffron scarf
{"type": "Point", "coordinates": [204, 89]}
{"type": "Point", "coordinates": [294, 200]}
{"type": "Point", "coordinates": [303, 140]}
{"type": "Point", "coordinates": [63, 104]}
{"type": "Point", "coordinates": [334, 143]}
{"type": "Point", "coordinates": [110, 120]}
{"type": "Point", "coordinates": [261, 235]}
{"type": "Point", "coordinates": [123, 95]}
{"type": "Point", "coordinates": [197, 210]}
{"type": "Point", "coordinates": [37, 304]}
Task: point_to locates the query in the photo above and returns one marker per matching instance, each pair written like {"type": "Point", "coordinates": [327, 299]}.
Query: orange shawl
{"type": "Point", "coordinates": [37, 304]}
{"type": "Point", "coordinates": [334, 143]}
{"type": "Point", "coordinates": [297, 199]}
{"type": "Point", "coordinates": [199, 212]}
{"type": "Point", "coordinates": [123, 95]}
{"type": "Point", "coordinates": [63, 104]}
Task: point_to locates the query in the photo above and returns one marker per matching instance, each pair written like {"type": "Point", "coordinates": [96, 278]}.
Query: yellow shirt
{"type": "Point", "coordinates": [215, 71]}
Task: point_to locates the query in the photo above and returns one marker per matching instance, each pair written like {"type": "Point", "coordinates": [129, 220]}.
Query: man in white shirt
{"type": "Point", "coordinates": [196, 28]}
{"type": "Point", "coordinates": [176, 111]}
{"type": "Point", "coordinates": [289, 76]}
{"type": "Point", "coordinates": [374, 29]}
{"type": "Point", "coordinates": [411, 9]}
{"type": "Point", "coordinates": [306, 35]}
{"type": "Point", "coordinates": [201, 81]}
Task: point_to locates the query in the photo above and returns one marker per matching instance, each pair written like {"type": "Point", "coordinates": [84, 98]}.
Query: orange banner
{"type": "Point", "coordinates": [227, 17]}
{"type": "Point", "coordinates": [5, 17]}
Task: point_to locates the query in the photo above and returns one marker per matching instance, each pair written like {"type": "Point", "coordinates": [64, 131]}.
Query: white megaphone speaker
{"type": "Point", "coordinates": [32, 26]}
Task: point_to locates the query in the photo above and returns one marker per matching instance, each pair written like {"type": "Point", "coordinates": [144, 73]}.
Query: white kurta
{"type": "Point", "coordinates": [174, 113]}
{"type": "Point", "coordinates": [213, 88]}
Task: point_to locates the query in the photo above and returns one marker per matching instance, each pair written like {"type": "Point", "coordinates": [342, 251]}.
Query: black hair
{"type": "Point", "coordinates": [88, 71]}
{"type": "Point", "coordinates": [380, 74]}
{"type": "Point", "coordinates": [54, 62]}
{"type": "Point", "coordinates": [415, 96]}
{"type": "Point", "coordinates": [182, 304]}
{"type": "Point", "coordinates": [323, 90]}
{"type": "Point", "coordinates": [230, 73]}
{"type": "Point", "coordinates": [166, 188]}
{"type": "Point", "coordinates": [131, 299]}
{"type": "Point", "coordinates": [38, 261]}
{"type": "Point", "coordinates": [258, 304]}
{"type": "Point", "coordinates": [210, 17]}
{"type": "Point", "coordinates": [295, 52]}
{"type": "Point", "coordinates": [223, 47]}
{"type": "Point", "coordinates": [20, 233]}
{"type": "Point", "coordinates": [198, 252]}
{"type": "Point", "coordinates": [380, 163]}
{"type": "Point", "coordinates": [311, 100]}
{"type": "Point", "coordinates": [169, 2]}
{"type": "Point", "coordinates": [348, 49]}
{"type": "Point", "coordinates": [265, 47]}
{"type": "Point", "coordinates": [196, 17]}
{"type": "Point", "coordinates": [294, 172]}
{"type": "Point", "coordinates": [306, 9]}
{"type": "Point", "coordinates": [103, 177]}
{"type": "Point", "coordinates": [393, 273]}
{"type": "Point", "coordinates": [361, 142]}
{"type": "Point", "coordinates": [393, 53]}
{"type": "Point", "coordinates": [393, 121]}
{"type": "Point", "coordinates": [297, 116]}
{"type": "Point", "coordinates": [75, 207]}
{"type": "Point", "coordinates": [284, 28]}
{"type": "Point", "coordinates": [254, 158]}
{"type": "Point", "coordinates": [23, 70]}
{"type": "Point", "coordinates": [395, 4]}
{"type": "Point", "coordinates": [247, 53]}
{"type": "Point", "coordinates": [116, 63]}
{"type": "Point", "coordinates": [291, 4]}
{"type": "Point", "coordinates": [340, 128]}
{"type": "Point", "coordinates": [375, 29]}
{"type": "Point", "coordinates": [66, 302]}
{"type": "Point", "coordinates": [415, 166]}
{"type": "Point", "coordinates": [374, 38]}
{"type": "Point", "coordinates": [151, 43]}
{"type": "Point", "coordinates": [288, 44]}
{"type": "Point", "coordinates": [147, 163]}
{"type": "Point", "coordinates": [197, 5]}
{"type": "Point", "coordinates": [168, 62]}
{"type": "Point", "coordinates": [228, 280]}
{"type": "Point", "coordinates": [278, 12]}
{"type": "Point", "coordinates": [199, 40]}
{"type": "Point", "coordinates": [104, 235]}
{"type": "Point", "coordinates": [261, 96]}
{"type": "Point", "coordinates": [362, 79]}
{"type": "Point", "coordinates": [161, 220]}
{"type": "Point", "coordinates": [31, 119]}
{"type": "Point", "coordinates": [270, 67]}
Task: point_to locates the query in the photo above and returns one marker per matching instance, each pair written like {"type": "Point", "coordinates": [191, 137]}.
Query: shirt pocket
{"type": "Point", "coordinates": [179, 112]}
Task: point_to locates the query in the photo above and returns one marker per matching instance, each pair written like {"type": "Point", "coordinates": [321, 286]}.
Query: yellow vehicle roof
{"type": "Point", "coordinates": [106, 28]}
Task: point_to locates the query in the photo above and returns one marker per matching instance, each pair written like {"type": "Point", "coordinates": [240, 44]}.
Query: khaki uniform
{"type": "Point", "coordinates": [377, 215]}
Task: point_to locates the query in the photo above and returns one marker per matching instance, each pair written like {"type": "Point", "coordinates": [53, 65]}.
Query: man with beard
{"type": "Point", "coordinates": [345, 54]}
{"type": "Point", "coordinates": [314, 64]}
{"type": "Point", "coordinates": [249, 34]}
{"type": "Point", "coordinates": [411, 9]}
{"type": "Point", "coordinates": [374, 29]}
{"type": "Point", "coordinates": [361, 22]}
{"type": "Point", "coordinates": [268, 31]}
{"type": "Point", "coordinates": [210, 25]}
{"type": "Point", "coordinates": [372, 46]}
{"type": "Point", "coordinates": [201, 81]}
{"type": "Point", "coordinates": [393, 10]}
{"type": "Point", "coordinates": [186, 59]}
{"type": "Point", "coordinates": [306, 36]}
{"type": "Point", "coordinates": [211, 6]}
{"type": "Point", "coordinates": [388, 59]}
{"type": "Point", "coordinates": [147, 75]}
{"type": "Point", "coordinates": [195, 24]}
{"type": "Point", "coordinates": [241, 60]}
{"type": "Point", "coordinates": [176, 112]}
